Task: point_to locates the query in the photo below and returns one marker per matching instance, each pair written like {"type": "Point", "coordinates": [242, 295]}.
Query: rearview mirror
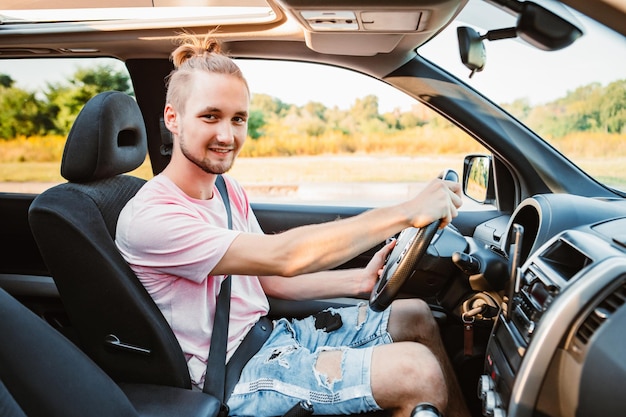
{"type": "Point", "coordinates": [471, 48]}
{"type": "Point", "coordinates": [536, 25]}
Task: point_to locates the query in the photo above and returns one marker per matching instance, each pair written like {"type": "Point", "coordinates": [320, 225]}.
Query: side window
{"type": "Point", "coordinates": [37, 109]}
{"type": "Point", "coordinates": [319, 134]}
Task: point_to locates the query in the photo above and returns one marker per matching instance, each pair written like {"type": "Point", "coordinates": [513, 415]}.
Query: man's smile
{"type": "Point", "coordinates": [220, 150]}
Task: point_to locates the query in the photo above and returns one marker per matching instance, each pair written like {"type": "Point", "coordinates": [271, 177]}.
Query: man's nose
{"type": "Point", "coordinates": [225, 132]}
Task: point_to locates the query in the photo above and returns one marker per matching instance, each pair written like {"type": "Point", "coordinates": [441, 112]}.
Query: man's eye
{"type": "Point", "coordinates": [210, 116]}
{"type": "Point", "coordinates": [239, 120]}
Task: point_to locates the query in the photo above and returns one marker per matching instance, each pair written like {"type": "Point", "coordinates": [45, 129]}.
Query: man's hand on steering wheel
{"type": "Point", "coordinates": [413, 242]}
{"type": "Point", "coordinates": [373, 270]}
{"type": "Point", "coordinates": [439, 200]}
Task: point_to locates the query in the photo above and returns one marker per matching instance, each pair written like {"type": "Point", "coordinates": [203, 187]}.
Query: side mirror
{"type": "Point", "coordinates": [478, 179]}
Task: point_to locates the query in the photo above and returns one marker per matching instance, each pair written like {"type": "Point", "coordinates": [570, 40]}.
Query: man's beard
{"type": "Point", "coordinates": [205, 164]}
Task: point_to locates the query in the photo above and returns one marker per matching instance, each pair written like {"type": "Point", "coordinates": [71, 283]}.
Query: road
{"type": "Point", "coordinates": [365, 194]}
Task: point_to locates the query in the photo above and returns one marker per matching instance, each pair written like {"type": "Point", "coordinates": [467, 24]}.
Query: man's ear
{"type": "Point", "coordinates": [170, 118]}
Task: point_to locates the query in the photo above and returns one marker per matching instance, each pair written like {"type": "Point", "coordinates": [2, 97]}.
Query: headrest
{"type": "Point", "coordinates": [108, 138]}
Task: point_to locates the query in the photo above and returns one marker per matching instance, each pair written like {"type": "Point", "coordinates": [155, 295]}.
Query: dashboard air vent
{"type": "Point", "coordinates": [601, 313]}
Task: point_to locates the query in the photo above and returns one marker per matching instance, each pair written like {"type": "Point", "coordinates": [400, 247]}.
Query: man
{"type": "Point", "coordinates": [174, 235]}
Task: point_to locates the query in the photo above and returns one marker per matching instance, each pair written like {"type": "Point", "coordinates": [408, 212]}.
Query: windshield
{"type": "Point", "coordinates": [574, 98]}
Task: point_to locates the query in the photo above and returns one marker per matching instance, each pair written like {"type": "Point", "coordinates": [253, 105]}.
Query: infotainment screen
{"type": "Point", "coordinates": [565, 259]}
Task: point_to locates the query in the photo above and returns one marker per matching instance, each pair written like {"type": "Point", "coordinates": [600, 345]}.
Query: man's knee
{"type": "Point", "coordinates": [421, 308]}
{"type": "Point", "coordinates": [425, 316]}
{"type": "Point", "coordinates": [412, 319]}
{"type": "Point", "coordinates": [426, 367]}
{"type": "Point", "coordinates": [422, 378]}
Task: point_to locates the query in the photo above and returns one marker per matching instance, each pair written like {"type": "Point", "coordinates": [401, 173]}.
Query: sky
{"type": "Point", "coordinates": [514, 68]}
{"type": "Point", "coordinates": [506, 77]}
{"type": "Point", "coordinates": [263, 78]}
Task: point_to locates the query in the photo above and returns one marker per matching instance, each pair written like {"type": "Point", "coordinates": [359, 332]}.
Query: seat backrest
{"type": "Point", "coordinates": [118, 324]}
{"type": "Point", "coordinates": [42, 374]}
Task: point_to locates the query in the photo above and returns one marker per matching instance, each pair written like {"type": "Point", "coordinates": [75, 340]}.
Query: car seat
{"type": "Point", "coordinates": [118, 324]}
{"type": "Point", "coordinates": [42, 374]}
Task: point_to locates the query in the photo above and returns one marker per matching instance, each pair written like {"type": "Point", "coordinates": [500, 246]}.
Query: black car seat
{"type": "Point", "coordinates": [118, 324]}
{"type": "Point", "coordinates": [42, 374]}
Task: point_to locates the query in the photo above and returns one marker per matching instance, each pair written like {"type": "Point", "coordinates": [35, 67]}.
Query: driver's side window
{"type": "Point", "coordinates": [328, 135]}
{"type": "Point", "coordinates": [317, 134]}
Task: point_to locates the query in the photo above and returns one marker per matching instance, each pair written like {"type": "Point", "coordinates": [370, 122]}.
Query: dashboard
{"type": "Point", "coordinates": [557, 347]}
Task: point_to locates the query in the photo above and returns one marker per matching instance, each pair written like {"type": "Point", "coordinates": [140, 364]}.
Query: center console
{"type": "Point", "coordinates": [557, 300]}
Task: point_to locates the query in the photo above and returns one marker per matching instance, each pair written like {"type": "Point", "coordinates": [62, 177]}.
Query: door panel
{"type": "Point", "coordinates": [20, 253]}
{"type": "Point", "coordinates": [23, 273]}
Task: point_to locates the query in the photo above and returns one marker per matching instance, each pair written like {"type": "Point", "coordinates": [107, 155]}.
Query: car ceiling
{"type": "Point", "coordinates": [383, 29]}
{"type": "Point", "coordinates": [387, 33]}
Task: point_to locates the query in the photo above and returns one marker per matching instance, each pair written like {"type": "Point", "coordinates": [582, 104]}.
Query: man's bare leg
{"type": "Point", "coordinates": [412, 320]}
{"type": "Point", "coordinates": [405, 374]}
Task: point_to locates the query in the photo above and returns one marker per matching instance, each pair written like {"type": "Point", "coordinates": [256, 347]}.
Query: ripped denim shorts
{"type": "Point", "coordinates": [286, 369]}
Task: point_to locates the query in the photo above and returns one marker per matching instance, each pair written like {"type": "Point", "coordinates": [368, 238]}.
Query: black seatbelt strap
{"type": "Point", "coordinates": [215, 376]}
{"type": "Point", "coordinates": [220, 378]}
{"type": "Point", "coordinates": [221, 187]}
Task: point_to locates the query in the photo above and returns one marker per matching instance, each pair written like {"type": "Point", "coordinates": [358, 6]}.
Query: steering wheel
{"type": "Point", "coordinates": [410, 247]}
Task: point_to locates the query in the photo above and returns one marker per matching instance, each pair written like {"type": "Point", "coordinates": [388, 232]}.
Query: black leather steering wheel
{"type": "Point", "coordinates": [400, 265]}
{"type": "Point", "coordinates": [410, 248]}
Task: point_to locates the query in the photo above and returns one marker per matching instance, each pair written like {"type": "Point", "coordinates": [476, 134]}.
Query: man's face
{"type": "Point", "coordinates": [213, 127]}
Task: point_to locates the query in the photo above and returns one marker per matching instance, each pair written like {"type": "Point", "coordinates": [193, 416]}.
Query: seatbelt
{"type": "Point", "coordinates": [223, 378]}
{"type": "Point", "coordinates": [215, 375]}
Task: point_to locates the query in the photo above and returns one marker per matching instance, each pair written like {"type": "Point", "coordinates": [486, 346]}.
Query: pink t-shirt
{"type": "Point", "coordinates": [172, 242]}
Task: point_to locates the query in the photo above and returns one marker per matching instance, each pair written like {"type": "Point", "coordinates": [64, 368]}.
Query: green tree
{"type": "Point", "coordinates": [612, 110]}
{"type": "Point", "coordinates": [20, 114]}
{"type": "Point", "coordinates": [365, 112]}
{"type": "Point", "coordinates": [66, 99]}
{"type": "Point", "coordinates": [256, 122]}
{"type": "Point", "coordinates": [269, 105]}
{"type": "Point", "coordinates": [340, 121]}
{"type": "Point", "coordinates": [101, 78]}
{"type": "Point", "coordinates": [408, 120]}
{"type": "Point", "coordinates": [365, 108]}
{"type": "Point", "coordinates": [6, 80]}
{"type": "Point", "coordinates": [311, 126]}
{"type": "Point", "coordinates": [589, 108]}
{"type": "Point", "coordinates": [315, 109]}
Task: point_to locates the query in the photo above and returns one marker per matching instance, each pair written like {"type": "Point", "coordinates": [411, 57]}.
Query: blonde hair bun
{"type": "Point", "coordinates": [193, 46]}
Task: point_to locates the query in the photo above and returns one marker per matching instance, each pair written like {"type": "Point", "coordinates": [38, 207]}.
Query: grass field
{"type": "Point", "coordinates": [26, 162]}
{"type": "Point", "coordinates": [330, 177]}
{"type": "Point", "coordinates": [275, 176]}
{"type": "Point", "coordinates": [352, 168]}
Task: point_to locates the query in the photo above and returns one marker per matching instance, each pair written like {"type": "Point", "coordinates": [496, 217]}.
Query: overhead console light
{"type": "Point", "coordinates": [330, 20]}
{"type": "Point", "coordinates": [405, 21]}
{"type": "Point", "coordinates": [363, 21]}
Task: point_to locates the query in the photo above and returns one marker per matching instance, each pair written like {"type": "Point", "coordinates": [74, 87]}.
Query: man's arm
{"type": "Point", "coordinates": [319, 247]}
{"type": "Point", "coordinates": [329, 284]}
